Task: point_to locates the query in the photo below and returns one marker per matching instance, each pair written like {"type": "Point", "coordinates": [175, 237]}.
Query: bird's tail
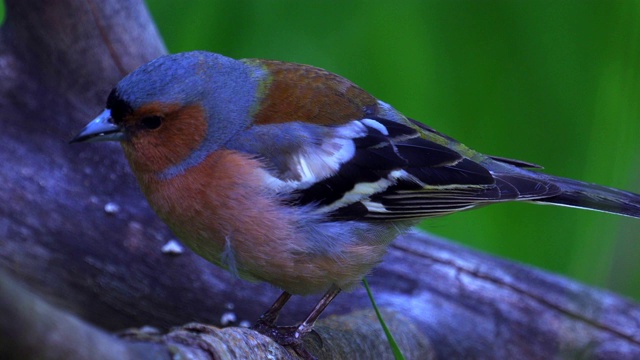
{"type": "Point", "coordinates": [594, 197]}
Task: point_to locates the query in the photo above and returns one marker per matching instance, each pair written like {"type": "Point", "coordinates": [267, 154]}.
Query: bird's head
{"type": "Point", "coordinates": [175, 110]}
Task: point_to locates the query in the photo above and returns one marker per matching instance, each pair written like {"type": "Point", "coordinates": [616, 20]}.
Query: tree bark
{"type": "Point", "coordinates": [77, 231]}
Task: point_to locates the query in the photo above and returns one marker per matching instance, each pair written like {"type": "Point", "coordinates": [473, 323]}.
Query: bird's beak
{"type": "Point", "coordinates": [101, 128]}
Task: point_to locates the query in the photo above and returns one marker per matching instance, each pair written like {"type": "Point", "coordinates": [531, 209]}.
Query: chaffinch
{"type": "Point", "coordinates": [289, 174]}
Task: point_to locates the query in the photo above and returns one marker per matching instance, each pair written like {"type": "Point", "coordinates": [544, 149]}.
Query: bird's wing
{"type": "Point", "coordinates": [377, 169]}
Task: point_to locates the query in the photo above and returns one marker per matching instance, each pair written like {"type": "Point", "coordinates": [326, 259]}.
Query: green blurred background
{"type": "Point", "coordinates": [552, 82]}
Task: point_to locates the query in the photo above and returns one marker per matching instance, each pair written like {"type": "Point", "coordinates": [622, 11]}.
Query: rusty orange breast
{"type": "Point", "coordinates": [221, 206]}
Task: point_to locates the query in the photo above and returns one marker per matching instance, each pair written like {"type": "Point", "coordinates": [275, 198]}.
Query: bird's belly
{"type": "Point", "coordinates": [241, 227]}
{"type": "Point", "coordinates": [294, 262]}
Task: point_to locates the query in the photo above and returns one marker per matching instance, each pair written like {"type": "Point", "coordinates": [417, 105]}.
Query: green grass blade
{"type": "Point", "coordinates": [397, 354]}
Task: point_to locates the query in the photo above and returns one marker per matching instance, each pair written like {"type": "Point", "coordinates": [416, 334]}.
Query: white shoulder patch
{"type": "Point", "coordinates": [317, 162]}
{"type": "Point", "coordinates": [376, 125]}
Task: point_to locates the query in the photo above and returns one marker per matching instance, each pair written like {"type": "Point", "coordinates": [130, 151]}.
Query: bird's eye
{"type": "Point", "coordinates": [152, 122]}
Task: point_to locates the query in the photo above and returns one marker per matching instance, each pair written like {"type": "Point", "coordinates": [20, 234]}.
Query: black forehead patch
{"type": "Point", "coordinates": [118, 106]}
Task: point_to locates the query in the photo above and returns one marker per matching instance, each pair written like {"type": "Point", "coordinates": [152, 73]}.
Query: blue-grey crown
{"type": "Point", "coordinates": [222, 84]}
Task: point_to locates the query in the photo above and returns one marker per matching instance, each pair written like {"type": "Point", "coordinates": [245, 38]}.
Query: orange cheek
{"type": "Point", "coordinates": [182, 131]}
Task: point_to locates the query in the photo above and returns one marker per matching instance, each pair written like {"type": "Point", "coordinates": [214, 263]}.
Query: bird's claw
{"type": "Point", "coordinates": [287, 336]}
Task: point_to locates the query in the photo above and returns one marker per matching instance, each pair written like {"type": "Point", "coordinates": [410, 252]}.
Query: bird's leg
{"type": "Point", "coordinates": [295, 340]}
{"type": "Point", "coordinates": [292, 335]}
{"type": "Point", "coordinates": [307, 324]}
{"type": "Point", "coordinates": [268, 319]}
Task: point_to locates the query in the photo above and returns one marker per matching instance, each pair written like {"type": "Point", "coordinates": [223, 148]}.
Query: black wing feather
{"type": "Point", "coordinates": [435, 180]}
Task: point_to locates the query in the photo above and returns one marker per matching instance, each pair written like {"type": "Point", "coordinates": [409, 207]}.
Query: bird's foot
{"type": "Point", "coordinates": [287, 336]}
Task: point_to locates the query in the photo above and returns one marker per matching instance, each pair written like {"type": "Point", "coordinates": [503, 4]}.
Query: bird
{"type": "Point", "coordinates": [292, 175]}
